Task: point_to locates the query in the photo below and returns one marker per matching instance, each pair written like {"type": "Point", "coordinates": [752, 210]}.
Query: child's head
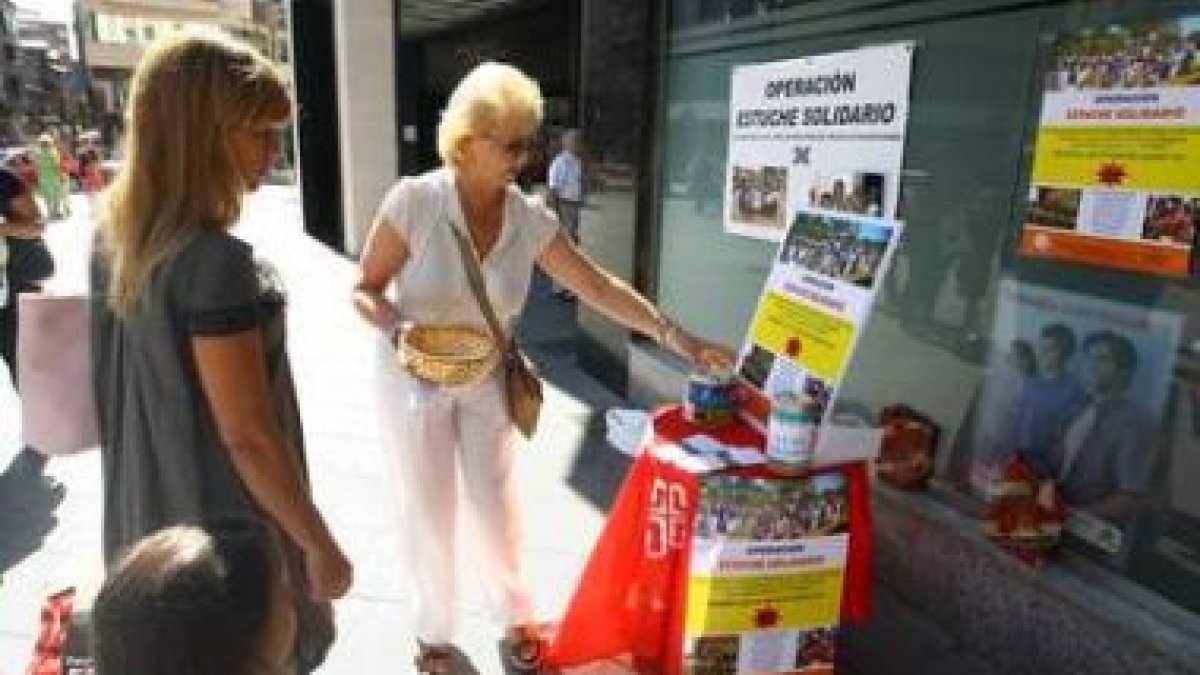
{"type": "Point", "coordinates": [192, 601]}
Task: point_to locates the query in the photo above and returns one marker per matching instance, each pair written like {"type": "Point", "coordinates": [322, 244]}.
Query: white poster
{"type": "Point", "coordinates": [814, 306]}
{"type": "Point", "coordinates": [821, 132]}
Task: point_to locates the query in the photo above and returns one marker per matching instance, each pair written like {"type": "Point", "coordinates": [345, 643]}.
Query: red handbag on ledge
{"type": "Point", "coordinates": [909, 443]}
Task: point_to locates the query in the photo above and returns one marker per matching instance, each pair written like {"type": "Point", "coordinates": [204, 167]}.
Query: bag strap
{"type": "Point", "coordinates": [478, 288]}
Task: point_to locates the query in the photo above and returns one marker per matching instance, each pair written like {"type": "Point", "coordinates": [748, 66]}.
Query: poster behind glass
{"type": "Point", "coordinates": [1114, 176]}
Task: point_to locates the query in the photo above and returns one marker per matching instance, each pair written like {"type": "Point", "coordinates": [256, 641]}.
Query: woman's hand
{"type": "Point", "coordinates": [328, 572]}
{"type": "Point", "coordinates": [701, 353]}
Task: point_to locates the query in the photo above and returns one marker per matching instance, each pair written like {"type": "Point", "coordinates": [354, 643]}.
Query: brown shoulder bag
{"type": "Point", "coordinates": [522, 385]}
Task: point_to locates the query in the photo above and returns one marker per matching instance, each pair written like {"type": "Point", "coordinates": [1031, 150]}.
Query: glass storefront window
{"type": "Point", "coordinates": [963, 314]}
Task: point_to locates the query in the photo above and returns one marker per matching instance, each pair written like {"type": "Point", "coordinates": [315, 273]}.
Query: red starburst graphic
{"type": "Point", "coordinates": [793, 347]}
{"type": "Point", "coordinates": [1111, 173]}
{"type": "Point", "coordinates": [766, 617]}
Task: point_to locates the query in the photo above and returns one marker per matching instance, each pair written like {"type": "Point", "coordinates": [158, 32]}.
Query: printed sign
{"type": "Point", "coordinates": [819, 132]}
{"type": "Point", "coordinates": [1114, 180]}
{"type": "Point", "coordinates": [1078, 386]}
{"type": "Point", "coordinates": [812, 311]}
{"type": "Point", "coordinates": [765, 587]}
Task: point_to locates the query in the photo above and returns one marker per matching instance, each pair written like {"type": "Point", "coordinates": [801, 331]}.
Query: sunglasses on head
{"type": "Point", "coordinates": [517, 146]}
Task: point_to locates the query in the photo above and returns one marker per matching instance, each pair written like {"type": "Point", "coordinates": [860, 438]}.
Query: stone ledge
{"type": "Point", "coordinates": [656, 376]}
{"type": "Point", "coordinates": [1068, 617]}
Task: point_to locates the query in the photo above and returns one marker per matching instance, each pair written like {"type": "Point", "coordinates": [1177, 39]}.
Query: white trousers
{"type": "Point", "coordinates": [433, 434]}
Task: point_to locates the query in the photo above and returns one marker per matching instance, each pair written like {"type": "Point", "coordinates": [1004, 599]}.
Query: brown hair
{"type": "Point", "coordinates": [180, 173]}
{"type": "Point", "coordinates": [189, 601]}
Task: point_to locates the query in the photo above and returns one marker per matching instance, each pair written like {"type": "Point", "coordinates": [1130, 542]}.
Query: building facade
{"type": "Point", "coordinates": [10, 74]}
{"type": "Point", "coordinates": [36, 76]}
{"type": "Point", "coordinates": [649, 84]}
{"type": "Point", "coordinates": [50, 97]}
{"type": "Point", "coordinates": [962, 290]}
{"type": "Point", "coordinates": [114, 33]}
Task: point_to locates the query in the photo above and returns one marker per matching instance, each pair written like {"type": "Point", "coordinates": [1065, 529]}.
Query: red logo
{"type": "Point", "coordinates": [667, 521]}
{"type": "Point", "coordinates": [1111, 173]}
{"type": "Point", "coordinates": [793, 347]}
{"type": "Point", "coordinates": [766, 617]}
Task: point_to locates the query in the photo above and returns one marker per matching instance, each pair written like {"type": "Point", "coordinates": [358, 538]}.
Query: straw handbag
{"type": "Point", "coordinates": [521, 383]}
{"type": "Point", "coordinates": [451, 355]}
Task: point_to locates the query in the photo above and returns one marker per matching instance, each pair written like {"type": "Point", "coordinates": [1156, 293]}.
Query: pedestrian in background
{"type": "Point", "coordinates": [434, 431]}
{"type": "Point", "coordinates": [564, 190]}
{"type": "Point", "coordinates": [91, 171]}
{"type": "Point", "coordinates": [196, 403]}
{"type": "Point", "coordinates": [25, 262]}
{"type": "Point", "coordinates": [564, 182]}
{"type": "Point", "coordinates": [52, 181]}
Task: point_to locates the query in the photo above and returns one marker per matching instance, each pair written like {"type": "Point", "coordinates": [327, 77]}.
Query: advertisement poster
{"type": "Point", "coordinates": [1114, 179]}
{"type": "Point", "coordinates": [1079, 386]}
{"type": "Point", "coordinates": [820, 132]}
{"type": "Point", "coordinates": [814, 306]}
{"type": "Point", "coordinates": [767, 568]}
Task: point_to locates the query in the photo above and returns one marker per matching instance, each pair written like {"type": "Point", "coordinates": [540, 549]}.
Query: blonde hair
{"type": "Point", "coordinates": [180, 174]}
{"type": "Point", "coordinates": [491, 92]}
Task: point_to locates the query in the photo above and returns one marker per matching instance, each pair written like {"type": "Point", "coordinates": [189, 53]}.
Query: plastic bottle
{"type": "Point", "coordinates": [791, 433]}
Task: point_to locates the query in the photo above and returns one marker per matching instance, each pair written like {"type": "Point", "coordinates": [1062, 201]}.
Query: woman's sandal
{"type": "Point", "coordinates": [526, 647]}
{"type": "Point", "coordinates": [435, 659]}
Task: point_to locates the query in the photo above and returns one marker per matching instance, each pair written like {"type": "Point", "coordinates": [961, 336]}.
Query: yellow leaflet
{"type": "Point", "coordinates": [1159, 158]}
{"type": "Point", "coordinates": [735, 604]}
{"type": "Point", "coordinates": [824, 339]}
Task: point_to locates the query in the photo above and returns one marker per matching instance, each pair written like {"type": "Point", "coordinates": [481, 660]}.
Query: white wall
{"type": "Point", "coordinates": [366, 86]}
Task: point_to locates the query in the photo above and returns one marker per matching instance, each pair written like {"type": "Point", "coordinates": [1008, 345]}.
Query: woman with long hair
{"type": "Point", "coordinates": [197, 407]}
{"type": "Point", "coordinates": [437, 431]}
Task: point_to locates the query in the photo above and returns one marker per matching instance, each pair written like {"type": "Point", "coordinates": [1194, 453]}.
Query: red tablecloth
{"type": "Point", "coordinates": [631, 598]}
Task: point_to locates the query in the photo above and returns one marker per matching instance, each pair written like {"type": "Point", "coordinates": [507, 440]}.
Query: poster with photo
{"type": "Point", "coordinates": [1114, 179]}
{"type": "Point", "coordinates": [1079, 386]}
{"type": "Point", "coordinates": [813, 308]}
{"type": "Point", "coordinates": [820, 132]}
{"type": "Point", "coordinates": [766, 575]}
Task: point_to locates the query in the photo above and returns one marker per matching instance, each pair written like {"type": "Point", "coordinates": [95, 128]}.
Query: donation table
{"type": "Point", "coordinates": [737, 570]}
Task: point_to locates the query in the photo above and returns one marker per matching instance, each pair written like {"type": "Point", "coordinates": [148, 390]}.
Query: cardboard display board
{"type": "Point", "coordinates": [810, 316]}
{"type": "Point", "coordinates": [1114, 179]}
{"type": "Point", "coordinates": [766, 575]}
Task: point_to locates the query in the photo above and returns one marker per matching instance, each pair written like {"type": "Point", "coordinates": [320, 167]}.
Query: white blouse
{"type": "Point", "coordinates": [432, 287]}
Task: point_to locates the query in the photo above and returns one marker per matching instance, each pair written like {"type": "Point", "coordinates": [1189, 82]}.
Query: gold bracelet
{"type": "Point", "coordinates": [665, 327]}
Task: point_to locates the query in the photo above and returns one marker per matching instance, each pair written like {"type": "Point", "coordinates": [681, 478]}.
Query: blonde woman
{"type": "Point", "coordinates": [436, 432]}
{"type": "Point", "coordinates": [196, 404]}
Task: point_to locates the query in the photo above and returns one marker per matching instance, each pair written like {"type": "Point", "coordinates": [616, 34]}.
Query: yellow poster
{"type": "Point", "coordinates": [1129, 157]}
{"type": "Point", "coordinates": [812, 310]}
{"type": "Point", "coordinates": [1114, 181]}
{"type": "Point", "coordinates": [735, 604]}
{"type": "Point", "coordinates": [815, 339]}
{"type": "Point", "coordinates": [766, 574]}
